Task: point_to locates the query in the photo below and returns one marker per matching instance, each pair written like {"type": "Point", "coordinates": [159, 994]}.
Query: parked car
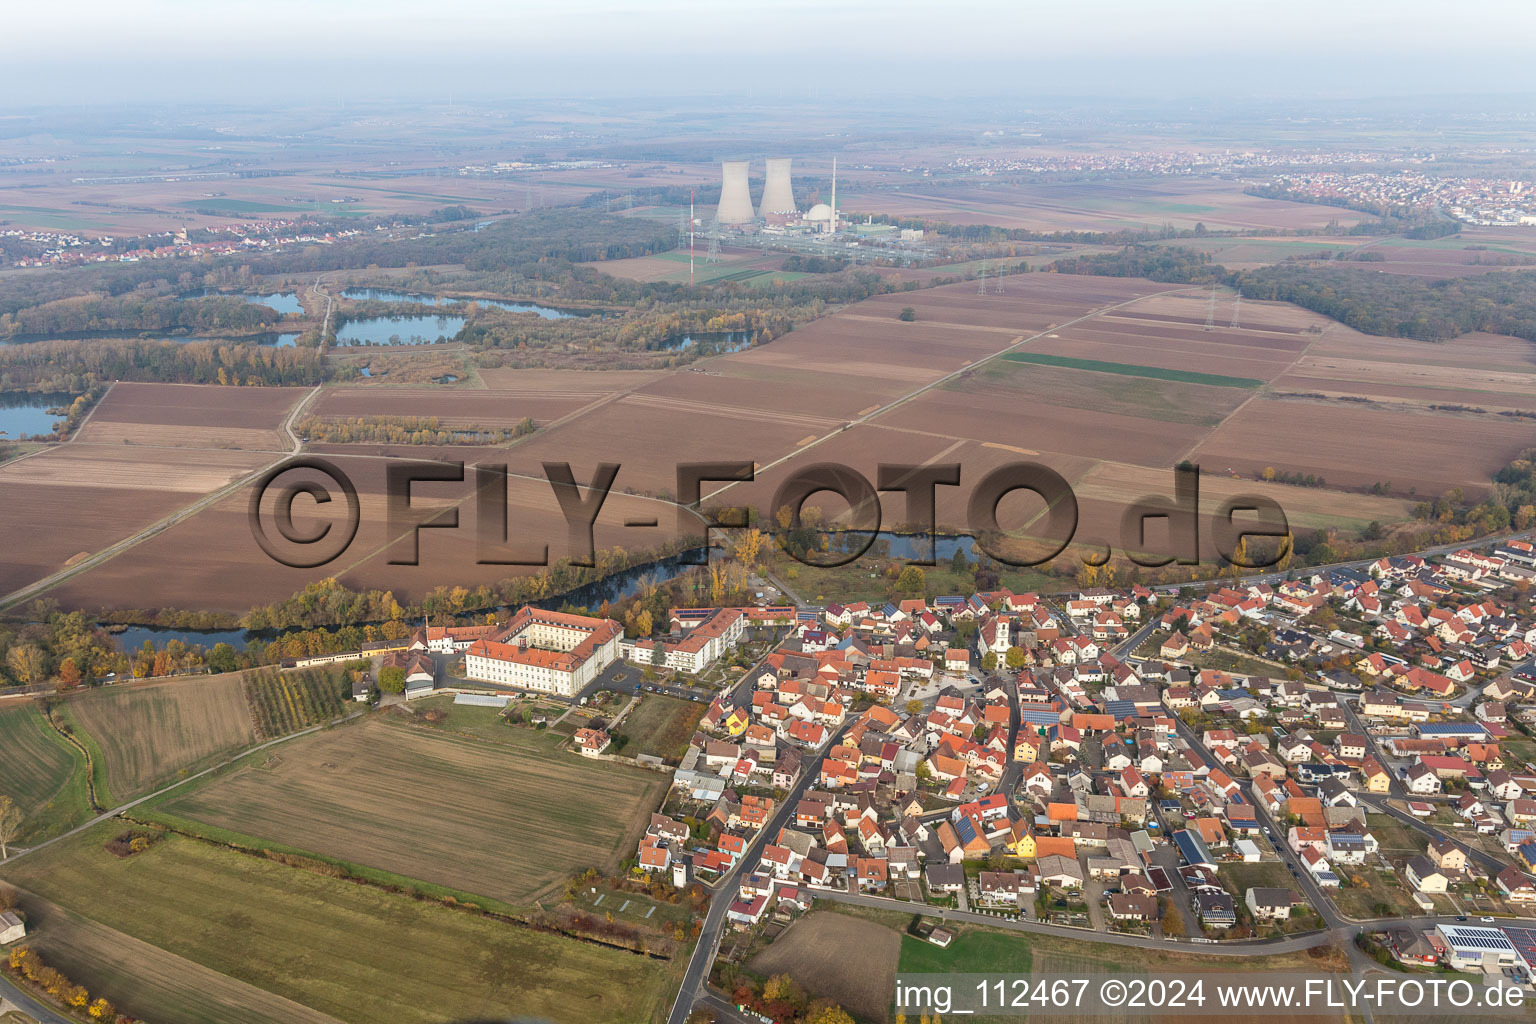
{"type": "Point", "coordinates": [1486, 920]}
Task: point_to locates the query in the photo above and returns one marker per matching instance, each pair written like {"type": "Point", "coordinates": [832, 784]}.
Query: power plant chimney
{"type": "Point", "coordinates": [778, 194]}
{"type": "Point", "coordinates": [735, 198]}
{"type": "Point", "coordinates": [834, 196]}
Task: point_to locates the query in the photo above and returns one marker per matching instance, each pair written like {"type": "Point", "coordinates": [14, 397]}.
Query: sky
{"type": "Point", "coordinates": [112, 51]}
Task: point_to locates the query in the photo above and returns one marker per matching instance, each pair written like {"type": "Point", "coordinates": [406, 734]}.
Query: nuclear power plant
{"type": "Point", "coordinates": [735, 198]}
{"type": "Point", "coordinates": [778, 194]}
{"type": "Point", "coordinates": [778, 209]}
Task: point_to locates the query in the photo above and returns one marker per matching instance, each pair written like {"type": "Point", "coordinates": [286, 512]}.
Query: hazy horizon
{"type": "Point", "coordinates": [177, 50]}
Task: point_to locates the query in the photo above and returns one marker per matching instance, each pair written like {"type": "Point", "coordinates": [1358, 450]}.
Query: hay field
{"type": "Point", "coordinates": [149, 734]}
{"type": "Point", "coordinates": [44, 774]}
{"type": "Point", "coordinates": [353, 952]}
{"type": "Point", "coordinates": [493, 820]}
{"type": "Point", "coordinates": [193, 416]}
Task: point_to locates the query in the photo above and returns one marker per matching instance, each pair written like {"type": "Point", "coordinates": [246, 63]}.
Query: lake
{"type": "Point", "coordinates": [718, 342]}
{"type": "Point", "coordinates": [399, 330]}
{"type": "Point", "coordinates": [385, 295]}
{"type": "Point", "coordinates": [24, 413]}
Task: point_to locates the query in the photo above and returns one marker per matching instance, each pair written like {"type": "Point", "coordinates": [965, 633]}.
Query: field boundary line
{"type": "Point", "coordinates": [114, 812]}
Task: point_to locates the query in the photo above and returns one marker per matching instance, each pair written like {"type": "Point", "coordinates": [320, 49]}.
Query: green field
{"type": "Point", "coordinates": [352, 951]}
{"type": "Point", "coordinates": [1132, 370]}
{"type": "Point", "coordinates": [44, 774]}
{"type": "Point", "coordinates": [661, 726]}
{"type": "Point", "coordinates": [975, 950]}
{"type": "Point", "coordinates": [238, 206]}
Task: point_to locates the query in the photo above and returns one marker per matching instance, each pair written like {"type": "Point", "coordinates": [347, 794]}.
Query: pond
{"type": "Point", "coordinates": [25, 413]}
{"type": "Point", "coordinates": [717, 342]}
{"type": "Point", "coordinates": [399, 330]}
{"type": "Point", "coordinates": [385, 295]}
{"type": "Point", "coordinates": [283, 302]}
{"type": "Point", "coordinates": [134, 637]}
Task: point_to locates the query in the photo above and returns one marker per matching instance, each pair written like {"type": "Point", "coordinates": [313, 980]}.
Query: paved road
{"type": "Point", "coordinates": [697, 975]}
{"type": "Point", "coordinates": [13, 996]}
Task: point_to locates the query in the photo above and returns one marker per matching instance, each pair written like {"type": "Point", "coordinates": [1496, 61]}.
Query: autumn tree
{"type": "Point", "coordinates": [912, 580]}
{"type": "Point", "coordinates": [832, 1014]}
{"type": "Point", "coordinates": [28, 663]}
{"type": "Point", "coordinates": [749, 546]}
{"type": "Point", "coordinates": [914, 707]}
{"type": "Point", "coordinates": [10, 825]}
{"type": "Point", "coordinates": [1014, 658]}
{"type": "Point", "coordinates": [392, 679]}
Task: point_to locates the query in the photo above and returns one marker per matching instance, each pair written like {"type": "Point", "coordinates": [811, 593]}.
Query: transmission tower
{"type": "Point", "coordinates": [1237, 310]}
{"type": "Point", "coordinates": [997, 281]}
{"type": "Point", "coordinates": [682, 229]}
{"type": "Point", "coordinates": [713, 254]}
{"type": "Point", "coordinates": [981, 281]}
{"type": "Point", "coordinates": [1210, 311]}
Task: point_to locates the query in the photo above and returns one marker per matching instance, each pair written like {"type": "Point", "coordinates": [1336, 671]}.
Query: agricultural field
{"type": "Point", "coordinates": [1096, 206]}
{"type": "Point", "coordinates": [193, 416]}
{"type": "Point", "coordinates": [334, 946]}
{"type": "Point", "coordinates": [148, 982]}
{"type": "Point", "coordinates": [744, 266]}
{"type": "Point", "coordinates": [73, 500]}
{"type": "Point", "coordinates": [44, 774]}
{"type": "Point", "coordinates": [844, 958]}
{"type": "Point", "coordinates": [492, 820]}
{"type": "Point", "coordinates": [1097, 374]}
{"type": "Point", "coordinates": [145, 735]}
{"type": "Point", "coordinates": [285, 702]}
{"type": "Point", "coordinates": [661, 726]}
{"type": "Point", "coordinates": [453, 408]}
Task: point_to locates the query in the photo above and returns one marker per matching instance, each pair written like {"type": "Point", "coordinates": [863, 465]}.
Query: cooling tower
{"type": "Point", "coordinates": [778, 195]}
{"type": "Point", "coordinates": [735, 198]}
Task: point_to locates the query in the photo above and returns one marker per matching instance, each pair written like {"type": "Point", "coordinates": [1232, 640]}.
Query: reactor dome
{"type": "Point", "coordinates": [821, 211]}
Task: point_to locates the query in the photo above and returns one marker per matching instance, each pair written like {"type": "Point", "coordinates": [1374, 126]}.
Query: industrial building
{"type": "Point", "coordinates": [550, 652]}
{"type": "Point", "coordinates": [1473, 948]}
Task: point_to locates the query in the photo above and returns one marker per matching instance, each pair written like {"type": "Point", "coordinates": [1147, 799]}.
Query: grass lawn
{"type": "Point", "coordinates": [974, 950]}
{"type": "Point", "coordinates": [354, 952]}
{"type": "Point", "coordinates": [44, 774]}
{"type": "Point", "coordinates": [1239, 878]}
{"type": "Point", "coordinates": [661, 726]}
{"type": "Point", "coordinates": [1396, 839]}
